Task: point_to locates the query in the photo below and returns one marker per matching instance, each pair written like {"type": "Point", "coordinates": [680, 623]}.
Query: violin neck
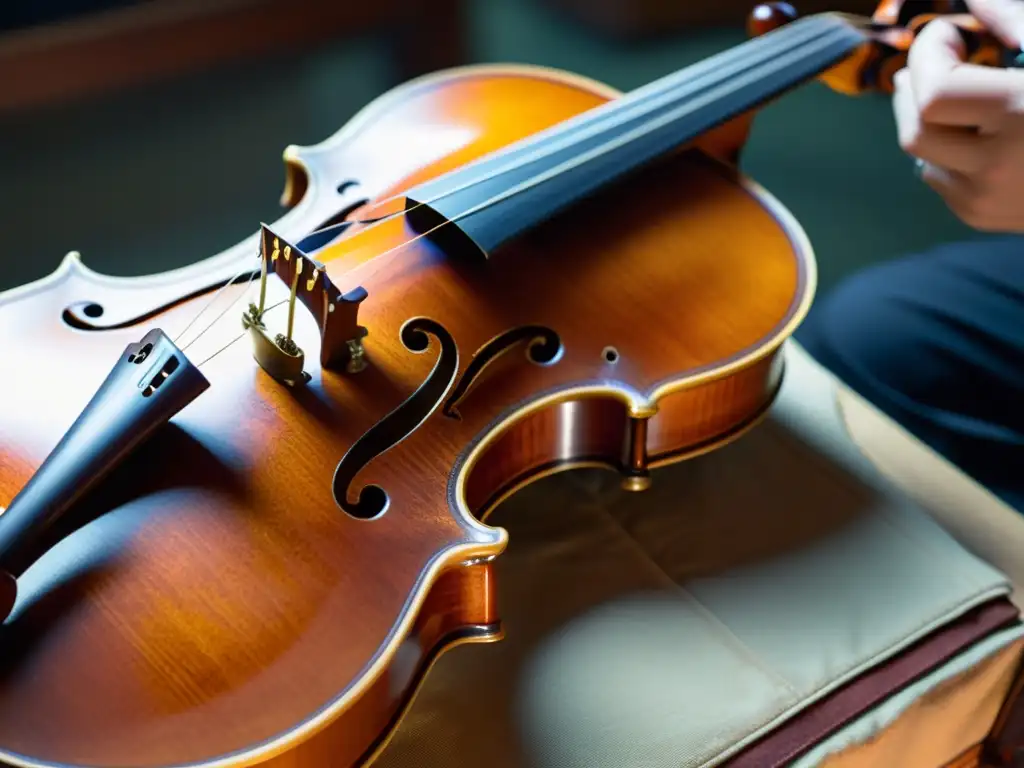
{"type": "Point", "coordinates": [516, 188]}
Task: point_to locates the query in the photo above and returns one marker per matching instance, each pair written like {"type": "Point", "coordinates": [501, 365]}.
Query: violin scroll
{"type": "Point", "coordinates": [769, 16]}
{"type": "Point", "coordinates": [902, 13]}
{"type": "Point", "coordinates": [888, 35]}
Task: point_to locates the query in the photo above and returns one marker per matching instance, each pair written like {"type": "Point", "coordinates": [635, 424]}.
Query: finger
{"type": "Point", "coordinates": [937, 51]}
{"type": "Point", "coordinates": [956, 149]}
{"type": "Point", "coordinates": [971, 96]}
{"type": "Point", "coordinates": [1003, 18]}
{"type": "Point", "coordinates": [950, 92]}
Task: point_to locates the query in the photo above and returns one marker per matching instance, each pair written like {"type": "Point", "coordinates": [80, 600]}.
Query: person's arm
{"type": "Point", "coordinates": [965, 123]}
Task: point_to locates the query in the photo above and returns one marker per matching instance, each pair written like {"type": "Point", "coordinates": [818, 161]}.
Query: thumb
{"type": "Point", "coordinates": [1003, 18]}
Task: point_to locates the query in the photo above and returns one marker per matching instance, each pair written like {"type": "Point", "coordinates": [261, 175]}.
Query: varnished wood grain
{"type": "Point", "coordinates": [221, 606]}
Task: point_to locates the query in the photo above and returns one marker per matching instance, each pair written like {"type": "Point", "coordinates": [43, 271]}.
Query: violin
{"type": "Point", "coordinates": [246, 501]}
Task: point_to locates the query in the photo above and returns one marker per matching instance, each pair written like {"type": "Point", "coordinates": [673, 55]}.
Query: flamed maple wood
{"type": "Point", "coordinates": [221, 606]}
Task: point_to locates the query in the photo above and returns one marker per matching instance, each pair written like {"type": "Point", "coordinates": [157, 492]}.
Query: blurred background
{"type": "Point", "coordinates": [147, 134]}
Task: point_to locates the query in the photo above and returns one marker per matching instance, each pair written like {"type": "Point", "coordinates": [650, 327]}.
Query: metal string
{"type": "Point", "coordinates": [210, 303]}
{"type": "Point", "coordinates": [608, 116]}
{"type": "Point", "coordinates": [665, 96]}
{"type": "Point", "coordinates": [239, 297]}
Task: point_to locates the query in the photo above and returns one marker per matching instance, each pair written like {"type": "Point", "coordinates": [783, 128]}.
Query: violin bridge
{"type": "Point", "coordinates": [336, 315]}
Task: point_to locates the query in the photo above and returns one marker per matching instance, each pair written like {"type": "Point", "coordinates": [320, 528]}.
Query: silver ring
{"type": "Point", "coordinates": [919, 166]}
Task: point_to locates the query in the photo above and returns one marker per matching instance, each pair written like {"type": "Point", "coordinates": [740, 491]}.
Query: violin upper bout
{"type": "Point", "coordinates": [296, 178]}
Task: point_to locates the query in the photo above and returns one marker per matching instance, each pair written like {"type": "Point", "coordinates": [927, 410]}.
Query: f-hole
{"type": "Point", "coordinates": [340, 216]}
{"type": "Point", "coordinates": [543, 347]}
{"type": "Point", "coordinates": [372, 500]}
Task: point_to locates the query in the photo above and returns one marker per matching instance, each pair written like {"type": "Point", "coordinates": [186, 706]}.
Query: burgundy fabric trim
{"type": "Point", "coordinates": [830, 714]}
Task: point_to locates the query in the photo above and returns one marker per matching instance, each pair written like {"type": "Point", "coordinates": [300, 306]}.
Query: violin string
{"type": "Point", "coordinates": [777, 63]}
{"type": "Point", "coordinates": [211, 301]}
{"type": "Point", "coordinates": [241, 295]}
{"type": "Point", "coordinates": [617, 112]}
{"type": "Point", "coordinates": [620, 111]}
{"type": "Point", "coordinates": [665, 91]}
{"type": "Point", "coordinates": [225, 348]}
{"type": "Point", "coordinates": [780, 62]}
{"type": "Point", "coordinates": [688, 108]}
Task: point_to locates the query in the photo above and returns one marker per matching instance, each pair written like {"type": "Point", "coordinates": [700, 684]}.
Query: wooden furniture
{"type": "Point", "coordinates": [160, 38]}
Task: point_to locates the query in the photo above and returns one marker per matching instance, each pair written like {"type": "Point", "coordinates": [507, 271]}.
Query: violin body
{"type": "Point", "coordinates": [220, 599]}
{"type": "Point", "coordinates": [267, 579]}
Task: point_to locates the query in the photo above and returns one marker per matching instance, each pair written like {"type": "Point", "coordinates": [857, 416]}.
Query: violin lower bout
{"type": "Point", "coordinates": [460, 608]}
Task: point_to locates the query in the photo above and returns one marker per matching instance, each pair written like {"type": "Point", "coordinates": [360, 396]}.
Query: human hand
{"type": "Point", "coordinates": [965, 123]}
